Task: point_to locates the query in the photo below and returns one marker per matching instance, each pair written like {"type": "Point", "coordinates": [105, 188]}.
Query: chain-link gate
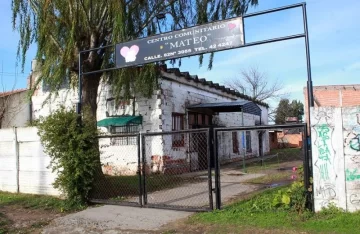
{"type": "Point", "coordinates": [120, 182]}
{"type": "Point", "coordinates": [164, 170]}
{"type": "Point", "coordinates": [177, 170]}
{"type": "Point", "coordinates": [253, 157]}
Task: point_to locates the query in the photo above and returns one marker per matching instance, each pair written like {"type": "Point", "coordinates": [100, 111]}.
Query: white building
{"type": "Point", "coordinates": [182, 102]}
{"type": "Point", "coordinates": [14, 108]}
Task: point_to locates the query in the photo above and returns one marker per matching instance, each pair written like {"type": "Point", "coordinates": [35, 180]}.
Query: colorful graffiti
{"type": "Point", "coordinates": [355, 143]}
{"type": "Point", "coordinates": [352, 139]}
{"type": "Point", "coordinates": [323, 145]}
{"type": "Point", "coordinates": [352, 175]}
{"type": "Point", "coordinates": [323, 148]}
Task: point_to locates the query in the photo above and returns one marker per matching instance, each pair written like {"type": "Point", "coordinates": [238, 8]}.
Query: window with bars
{"type": "Point", "coordinates": [177, 125]}
{"type": "Point", "coordinates": [125, 130]}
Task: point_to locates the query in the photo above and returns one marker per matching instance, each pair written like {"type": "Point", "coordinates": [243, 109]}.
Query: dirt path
{"type": "Point", "coordinates": [17, 219]}
{"type": "Point", "coordinates": [196, 195]}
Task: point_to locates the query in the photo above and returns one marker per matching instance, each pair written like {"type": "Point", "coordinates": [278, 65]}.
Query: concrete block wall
{"type": "Point", "coordinates": [336, 157]}
{"type": "Point", "coordinates": [333, 96]}
{"type": "Point", "coordinates": [24, 165]}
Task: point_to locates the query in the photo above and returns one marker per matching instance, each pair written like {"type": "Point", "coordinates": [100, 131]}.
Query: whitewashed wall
{"type": "Point", "coordinates": [176, 95]}
{"type": "Point", "coordinates": [23, 166]}
{"type": "Point", "coordinates": [17, 113]}
{"type": "Point", "coordinates": [336, 157]}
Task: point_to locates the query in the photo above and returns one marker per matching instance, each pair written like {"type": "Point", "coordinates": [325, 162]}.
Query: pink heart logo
{"type": "Point", "coordinates": [231, 26]}
{"type": "Point", "coordinates": [125, 50]}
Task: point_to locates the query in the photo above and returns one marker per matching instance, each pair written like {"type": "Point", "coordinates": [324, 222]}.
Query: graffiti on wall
{"type": "Point", "coordinates": [352, 127]}
{"type": "Point", "coordinates": [351, 134]}
{"type": "Point", "coordinates": [324, 152]}
{"type": "Point", "coordinates": [355, 199]}
{"type": "Point", "coordinates": [352, 175]}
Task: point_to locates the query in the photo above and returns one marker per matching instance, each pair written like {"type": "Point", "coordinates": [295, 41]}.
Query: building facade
{"type": "Point", "coordinates": [170, 108]}
{"type": "Point", "coordinates": [15, 109]}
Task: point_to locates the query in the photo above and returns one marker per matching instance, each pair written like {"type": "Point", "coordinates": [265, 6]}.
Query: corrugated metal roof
{"type": "Point", "coordinates": [236, 106]}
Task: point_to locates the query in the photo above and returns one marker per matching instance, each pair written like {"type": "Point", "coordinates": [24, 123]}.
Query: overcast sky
{"type": "Point", "coordinates": [334, 33]}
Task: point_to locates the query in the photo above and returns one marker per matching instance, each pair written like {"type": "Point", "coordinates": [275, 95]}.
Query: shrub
{"type": "Point", "coordinates": [73, 149]}
{"type": "Point", "coordinates": [295, 196]}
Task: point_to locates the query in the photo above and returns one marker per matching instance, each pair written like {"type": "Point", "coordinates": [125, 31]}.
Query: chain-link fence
{"type": "Point", "coordinates": [259, 156]}
{"type": "Point", "coordinates": [182, 169]}
{"type": "Point", "coordinates": [120, 182]}
{"type": "Point", "coordinates": [177, 170]}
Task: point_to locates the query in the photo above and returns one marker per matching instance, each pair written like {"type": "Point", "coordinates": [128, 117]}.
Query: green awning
{"type": "Point", "coordinates": [119, 121]}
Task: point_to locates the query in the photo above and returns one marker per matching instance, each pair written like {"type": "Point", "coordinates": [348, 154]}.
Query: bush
{"type": "Point", "coordinates": [73, 149]}
{"type": "Point", "coordinates": [294, 197]}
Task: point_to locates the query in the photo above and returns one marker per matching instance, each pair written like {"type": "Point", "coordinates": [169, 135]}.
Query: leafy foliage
{"type": "Point", "coordinates": [289, 109]}
{"type": "Point", "coordinates": [73, 149]}
{"type": "Point", "coordinates": [266, 218]}
{"type": "Point", "coordinates": [62, 28]}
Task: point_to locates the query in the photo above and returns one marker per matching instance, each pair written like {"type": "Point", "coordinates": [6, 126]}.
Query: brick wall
{"type": "Point", "coordinates": [334, 96]}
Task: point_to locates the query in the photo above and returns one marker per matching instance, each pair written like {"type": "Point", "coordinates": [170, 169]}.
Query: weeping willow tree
{"type": "Point", "coordinates": [62, 28]}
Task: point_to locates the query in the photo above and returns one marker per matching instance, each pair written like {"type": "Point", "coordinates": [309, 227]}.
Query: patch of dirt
{"type": "Point", "coordinates": [22, 220]}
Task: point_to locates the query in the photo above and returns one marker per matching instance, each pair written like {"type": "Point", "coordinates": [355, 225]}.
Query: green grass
{"type": "Point", "coordinates": [280, 176]}
{"type": "Point", "coordinates": [283, 155]}
{"type": "Point", "coordinates": [30, 201]}
{"type": "Point", "coordinates": [257, 212]}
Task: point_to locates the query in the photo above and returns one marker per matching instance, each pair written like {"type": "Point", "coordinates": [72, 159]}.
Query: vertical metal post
{"type": "Point", "coordinates": [16, 148]}
{"type": "Point", "coordinates": [138, 138]}
{"type": "Point", "coordinates": [306, 159]}
{"type": "Point", "coordinates": [78, 109]}
{"type": "Point", "coordinates": [310, 94]}
{"type": "Point", "coordinates": [143, 165]}
{"type": "Point", "coordinates": [217, 173]}
{"type": "Point", "coordinates": [261, 152]}
{"type": "Point", "coordinates": [308, 64]}
{"type": "Point", "coordinates": [307, 171]}
{"type": "Point", "coordinates": [210, 154]}
{"type": "Point", "coordinates": [243, 26]}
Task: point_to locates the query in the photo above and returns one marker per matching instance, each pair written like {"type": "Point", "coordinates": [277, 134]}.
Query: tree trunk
{"type": "Point", "coordinates": [102, 188]}
{"type": "Point", "coordinates": [90, 92]}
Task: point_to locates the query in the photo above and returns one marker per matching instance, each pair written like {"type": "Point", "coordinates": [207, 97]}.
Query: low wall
{"type": "Point", "coordinates": [336, 157]}
{"type": "Point", "coordinates": [23, 164]}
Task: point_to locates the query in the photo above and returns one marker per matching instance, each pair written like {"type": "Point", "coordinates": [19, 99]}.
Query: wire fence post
{"type": "Point", "coordinates": [217, 173]}
{"type": "Point", "coordinates": [143, 167]}
{"type": "Point", "coordinates": [210, 158]}
{"type": "Point", "coordinates": [138, 139]}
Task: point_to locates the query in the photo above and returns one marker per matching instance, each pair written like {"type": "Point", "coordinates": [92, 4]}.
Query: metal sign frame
{"type": "Point", "coordinates": [295, 36]}
{"type": "Point", "coordinates": [304, 35]}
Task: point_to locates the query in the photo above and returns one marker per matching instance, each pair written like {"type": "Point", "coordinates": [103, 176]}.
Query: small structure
{"type": "Point", "coordinates": [181, 102]}
{"type": "Point", "coordinates": [286, 138]}
{"type": "Point", "coordinates": [14, 108]}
